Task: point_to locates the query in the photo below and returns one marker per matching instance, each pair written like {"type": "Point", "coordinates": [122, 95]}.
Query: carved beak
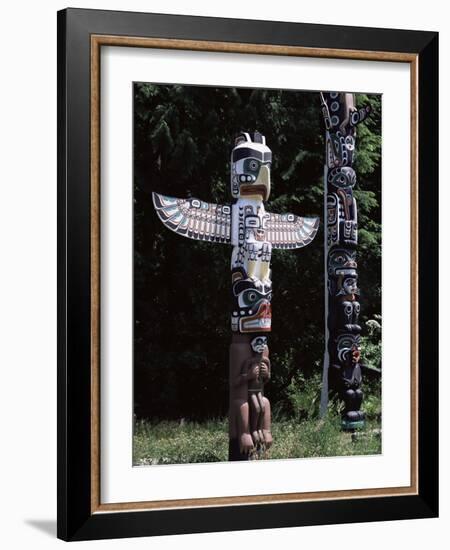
{"type": "Point", "coordinates": [264, 180]}
{"type": "Point", "coordinates": [261, 187]}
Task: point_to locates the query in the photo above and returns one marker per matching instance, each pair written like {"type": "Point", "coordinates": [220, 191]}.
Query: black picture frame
{"type": "Point", "coordinates": [76, 519]}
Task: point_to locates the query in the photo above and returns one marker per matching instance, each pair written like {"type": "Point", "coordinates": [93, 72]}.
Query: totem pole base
{"type": "Point", "coordinates": [353, 420]}
{"type": "Point", "coordinates": [234, 453]}
{"type": "Point", "coordinates": [349, 426]}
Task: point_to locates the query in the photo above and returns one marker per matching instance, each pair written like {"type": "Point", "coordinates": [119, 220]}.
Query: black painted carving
{"type": "Point", "coordinates": [343, 353]}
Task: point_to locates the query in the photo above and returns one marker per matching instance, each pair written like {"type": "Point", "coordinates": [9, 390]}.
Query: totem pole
{"type": "Point", "coordinates": [253, 233]}
{"type": "Point", "coordinates": [342, 368]}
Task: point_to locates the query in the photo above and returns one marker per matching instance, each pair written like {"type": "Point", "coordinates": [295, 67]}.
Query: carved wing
{"type": "Point", "coordinates": [195, 219]}
{"type": "Point", "coordinates": [290, 231]}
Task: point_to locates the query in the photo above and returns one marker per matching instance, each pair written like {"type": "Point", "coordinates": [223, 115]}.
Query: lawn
{"type": "Point", "coordinates": [172, 442]}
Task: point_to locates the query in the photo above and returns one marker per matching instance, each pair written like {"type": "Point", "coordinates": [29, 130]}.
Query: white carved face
{"type": "Point", "coordinates": [350, 286]}
{"type": "Point", "coordinates": [259, 344]}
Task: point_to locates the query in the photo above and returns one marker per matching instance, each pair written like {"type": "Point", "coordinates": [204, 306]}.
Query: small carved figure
{"type": "Point", "coordinates": [258, 368]}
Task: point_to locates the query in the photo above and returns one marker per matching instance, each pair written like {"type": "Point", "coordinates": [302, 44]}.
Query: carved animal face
{"type": "Point", "coordinates": [349, 348]}
{"type": "Point", "coordinates": [342, 178]}
{"type": "Point", "coordinates": [342, 262]}
{"type": "Point", "coordinates": [251, 305]}
{"type": "Point", "coordinates": [251, 160]}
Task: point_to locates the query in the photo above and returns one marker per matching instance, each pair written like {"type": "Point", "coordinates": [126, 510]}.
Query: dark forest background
{"type": "Point", "coordinates": [183, 136]}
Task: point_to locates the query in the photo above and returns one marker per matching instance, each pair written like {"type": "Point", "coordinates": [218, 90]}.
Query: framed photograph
{"type": "Point", "coordinates": [247, 256]}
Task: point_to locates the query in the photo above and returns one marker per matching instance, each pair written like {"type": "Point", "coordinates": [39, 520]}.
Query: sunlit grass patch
{"type": "Point", "coordinates": [184, 442]}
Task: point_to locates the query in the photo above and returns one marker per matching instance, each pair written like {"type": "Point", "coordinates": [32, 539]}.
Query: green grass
{"type": "Point", "coordinates": [170, 442]}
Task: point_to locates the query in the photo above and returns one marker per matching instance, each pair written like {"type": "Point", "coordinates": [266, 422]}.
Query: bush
{"type": "Point", "coordinates": [304, 395]}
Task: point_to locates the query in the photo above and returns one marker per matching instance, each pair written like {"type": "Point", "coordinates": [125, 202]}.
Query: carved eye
{"type": "Point", "coordinates": [252, 296]}
{"type": "Point", "coordinates": [253, 165]}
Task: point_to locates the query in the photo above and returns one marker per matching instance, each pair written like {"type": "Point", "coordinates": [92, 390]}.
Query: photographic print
{"type": "Point", "coordinates": [228, 191]}
{"type": "Point", "coordinates": [257, 274]}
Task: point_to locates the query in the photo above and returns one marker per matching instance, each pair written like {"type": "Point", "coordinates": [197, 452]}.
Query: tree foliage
{"type": "Point", "coordinates": [183, 136]}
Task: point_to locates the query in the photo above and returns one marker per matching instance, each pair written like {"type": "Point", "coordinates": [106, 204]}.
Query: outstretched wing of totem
{"type": "Point", "coordinates": [195, 219]}
{"type": "Point", "coordinates": [290, 231]}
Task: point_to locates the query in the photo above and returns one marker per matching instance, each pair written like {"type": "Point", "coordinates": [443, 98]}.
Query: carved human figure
{"type": "Point", "coordinates": [258, 368]}
{"type": "Point", "coordinates": [348, 306]}
{"type": "Point", "coordinates": [347, 370]}
{"type": "Point", "coordinates": [250, 416]}
{"type": "Point", "coordinates": [241, 442]}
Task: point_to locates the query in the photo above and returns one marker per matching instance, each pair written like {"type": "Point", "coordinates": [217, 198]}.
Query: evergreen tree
{"type": "Point", "coordinates": [183, 136]}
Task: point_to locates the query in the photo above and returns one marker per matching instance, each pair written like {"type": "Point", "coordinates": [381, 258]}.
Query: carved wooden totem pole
{"type": "Point", "coordinates": [342, 367]}
{"type": "Point", "coordinates": [253, 233]}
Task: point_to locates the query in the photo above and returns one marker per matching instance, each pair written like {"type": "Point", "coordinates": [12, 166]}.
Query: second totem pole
{"type": "Point", "coordinates": [342, 359]}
